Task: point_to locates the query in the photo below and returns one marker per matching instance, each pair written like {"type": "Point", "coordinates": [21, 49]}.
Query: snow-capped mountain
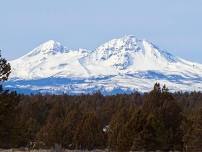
{"type": "Point", "coordinates": [118, 66]}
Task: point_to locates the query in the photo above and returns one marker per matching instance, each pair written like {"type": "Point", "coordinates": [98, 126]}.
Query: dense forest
{"type": "Point", "coordinates": [158, 120]}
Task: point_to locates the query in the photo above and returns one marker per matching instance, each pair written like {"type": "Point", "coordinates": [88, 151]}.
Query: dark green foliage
{"type": "Point", "coordinates": [5, 69]}
{"type": "Point", "coordinates": [154, 125]}
{"type": "Point", "coordinates": [8, 108]}
{"type": "Point", "coordinates": [116, 133]}
{"type": "Point", "coordinates": [164, 117]}
{"type": "Point", "coordinates": [157, 120]}
{"type": "Point", "coordinates": [193, 132]}
{"type": "Point", "coordinates": [89, 133]}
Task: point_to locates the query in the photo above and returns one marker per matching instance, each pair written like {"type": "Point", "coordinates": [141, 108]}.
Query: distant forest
{"type": "Point", "coordinates": [158, 120]}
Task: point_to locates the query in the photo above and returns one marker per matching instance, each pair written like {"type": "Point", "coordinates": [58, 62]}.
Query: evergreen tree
{"type": "Point", "coordinates": [116, 133]}
{"type": "Point", "coordinates": [89, 134]}
{"type": "Point", "coordinates": [8, 110]}
{"type": "Point", "coordinates": [52, 132]}
{"type": "Point", "coordinates": [8, 104]}
{"type": "Point", "coordinates": [193, 134]}
{"type": "Point", "coordinates": [70, 127]}
{"type": "Point", "coordinates": [130, 131]}
{"type": "Point", "coordinates": [5, 70]}
{"type": "Point", "coordinates": [162, 122]}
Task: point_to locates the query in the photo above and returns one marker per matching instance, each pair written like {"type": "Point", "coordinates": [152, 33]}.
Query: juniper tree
{"type": "Point", "coordinates": [5, 70]}
{"type": "Point", "coordinates": [8, 103]}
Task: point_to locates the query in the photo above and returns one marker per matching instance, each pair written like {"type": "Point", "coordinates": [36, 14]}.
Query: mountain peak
{"type": "Point", "coordinates": [127, 42]}
{"type": "Point", "coordinates": [120, 64]}
{"type": "Point", "coordinates": [128, 51]}
{"type": "Point", "coordinates": [47, 48]}
{"type": "Point", "coordinates": [51, 45]}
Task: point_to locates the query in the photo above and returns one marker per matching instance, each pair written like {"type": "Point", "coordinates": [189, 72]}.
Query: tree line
{"type": "Point", "coordinates": [158, 120]}
{"type": "Point", "coordinates": [155, 120]}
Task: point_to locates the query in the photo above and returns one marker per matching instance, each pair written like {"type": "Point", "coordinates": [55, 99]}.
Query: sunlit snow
{"type": "Point", "coordinates": [118, 66]}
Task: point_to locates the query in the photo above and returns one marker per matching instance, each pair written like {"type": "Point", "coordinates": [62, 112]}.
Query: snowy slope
{"type": "Point", "coordinates": [118, 66]}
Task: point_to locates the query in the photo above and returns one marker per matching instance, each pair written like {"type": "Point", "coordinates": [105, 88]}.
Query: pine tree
{"type": "Point", "coordinates": [162, 122]}
{"type": "Point", "coordinates": [117, 130]}
{"type": "Point", "coordinates": [130, 130]}
{"type": "Point", "coordinates": [89, 134]}
{"type": "Point", "coordinates": [8, 104]}
{"type": "Point", "coordinates": [193, 135]}
{"type": "Point", "coordinates": [8, 109]}
{"type": "Point", "coordinates": [70, 123]}
{"type": "Point", "coordinates": [5, 69]}
{"type": "Point", "coordinates": [52, 132]}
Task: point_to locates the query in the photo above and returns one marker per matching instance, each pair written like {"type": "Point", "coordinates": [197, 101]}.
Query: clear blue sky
{"type": "Point", "coordinates": [173, 25]}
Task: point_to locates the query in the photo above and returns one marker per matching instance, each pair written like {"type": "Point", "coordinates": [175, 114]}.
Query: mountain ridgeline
{"type": "Point", "coordinates": [157, 120]}
{"type": "Point", "coordinates": [121, 65]}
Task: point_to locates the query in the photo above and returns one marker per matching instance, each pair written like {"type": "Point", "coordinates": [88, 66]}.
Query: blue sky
{"type": "Point", "coordinates": [173, 25]}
